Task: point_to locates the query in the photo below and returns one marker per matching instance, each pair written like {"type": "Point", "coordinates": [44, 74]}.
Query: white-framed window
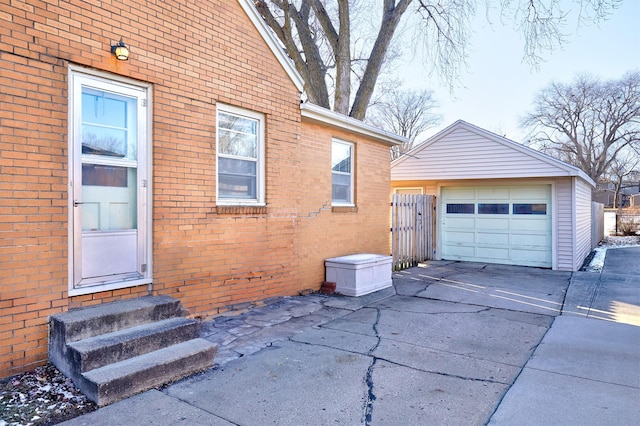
{"type": "Point", "coordinates": [342, 173]}
{"type": "Point", "coordinates": [240, 156]}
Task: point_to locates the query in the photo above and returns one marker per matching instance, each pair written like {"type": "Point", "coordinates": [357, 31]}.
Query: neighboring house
{"type": "Point", "coordinates": [499, 201]}
{"type": "Point", "coordinates": [191, 170]}
{"type": "Point", "coordinates": [605, 194]}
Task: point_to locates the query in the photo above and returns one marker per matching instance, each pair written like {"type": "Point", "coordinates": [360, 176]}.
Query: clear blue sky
{"type": "Point", "coordinates": [499, 87]}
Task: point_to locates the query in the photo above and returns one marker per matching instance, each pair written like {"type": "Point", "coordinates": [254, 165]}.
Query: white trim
{"type": "Point", "coordinates": [574, 224]}
{"type": "Point", "coordinates": [146, 202]}
{"type": "Point", "coordinates": [260, 162]}
{"type": "Point", "coordinates": [322, 115]}
{"type": "Point", "coordinates": [273, 43]}
{"type": "Point", "coordinates": [109, 286]}
{"type": "Point", "coordinates": [554, 225]}
{"type": "Point", "coordinates": [400, 188]}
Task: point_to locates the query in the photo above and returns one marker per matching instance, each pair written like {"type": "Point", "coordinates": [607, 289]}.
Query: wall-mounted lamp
{"type": "Point", "coordinates": [120, 50]}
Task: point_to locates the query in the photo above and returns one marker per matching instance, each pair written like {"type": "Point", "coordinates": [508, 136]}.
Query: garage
{"type": "Point", "coordinates": [505, 224]}
{"type": "Point", "coordinates": [498, 201]}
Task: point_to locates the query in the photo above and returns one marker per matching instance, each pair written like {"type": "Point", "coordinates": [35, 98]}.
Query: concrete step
{"type": "Point", "coordinates": [114, 350]}
{"type": "Point", "coordinates": [117, 381]}
{"type": "Point", "coordinates": [98, 351]}
{"type": "Point", "coordinates": [83, 323]}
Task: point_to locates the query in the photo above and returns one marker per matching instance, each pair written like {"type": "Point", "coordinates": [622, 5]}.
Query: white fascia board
{"type": "Point", "coordinates": [343, 122]}
{"type": "Point", "coordinates": [273, 43]}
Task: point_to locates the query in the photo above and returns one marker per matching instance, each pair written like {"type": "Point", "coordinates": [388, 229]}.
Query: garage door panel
{"type": "Point", "coordinates": [459, 222]}
{"type": "Point", "coordinates": [493, 223]}
{"type": "Point", "coordinates": [492, 238]}
{"type": "Point", "coordinates": [458, 237]}
{"type": "Point", "coordinates": [538, 225]}
{"type": "Point", "coordinates": [540, 257]}
{"type": "Point", "coordinates": [519, 193]}
{"type": "Point", "coordinates": [520, 238]}
{"type": "Point", "coordinates": [493, 194]}
{"type": "Point", "coordinates": [459, 252]}
{"type": "Point", "coordinates": [460, 194]}
{"type": "Point", "coordinates": [529, 240]}
{"type": "Point", "coordinates": [493, 253]}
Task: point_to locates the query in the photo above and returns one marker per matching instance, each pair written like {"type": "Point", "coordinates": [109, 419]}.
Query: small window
{"type": "Point", "coordinates": [537, 209]}
{"type": "Point", "coordinates": [240, 151]}
{"type": "Point", "coordinates": [491, 208]}
{"type": "Point", "coordinates": [461, 208]}
{"type": "Point", "coordinates": [342, 173]}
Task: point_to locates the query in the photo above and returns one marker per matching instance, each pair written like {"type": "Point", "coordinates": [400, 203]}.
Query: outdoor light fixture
{"type": "Point", "coordinates": [120, 50]}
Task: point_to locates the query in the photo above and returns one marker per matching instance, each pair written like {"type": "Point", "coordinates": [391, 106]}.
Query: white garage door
{"type": "Point", "coordinates": [508, 225]}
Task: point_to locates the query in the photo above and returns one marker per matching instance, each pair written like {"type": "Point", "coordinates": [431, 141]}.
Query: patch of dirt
{"type": "Point", "coordinates": [43, 396]}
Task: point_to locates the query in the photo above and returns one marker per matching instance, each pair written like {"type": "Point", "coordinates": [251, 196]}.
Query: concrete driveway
{"type": "Point", "coordinates": [450, 343]}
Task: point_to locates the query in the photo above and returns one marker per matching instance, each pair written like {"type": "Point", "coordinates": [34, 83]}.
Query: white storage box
{"type": "Point", "coordinates": [359, 274]}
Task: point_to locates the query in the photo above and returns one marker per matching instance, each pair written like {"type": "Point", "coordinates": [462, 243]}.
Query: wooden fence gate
{"type": "Point", "coordinates": [413, 225]}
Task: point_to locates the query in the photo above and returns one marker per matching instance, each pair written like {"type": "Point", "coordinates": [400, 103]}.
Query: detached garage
{"type": "Point", "coordinates": [499, 201]}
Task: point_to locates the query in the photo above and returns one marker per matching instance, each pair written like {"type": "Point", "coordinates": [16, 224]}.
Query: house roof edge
{"type": "Point", "coordinates": [273, 43]}
{"type": "Point", "coordinates": [325, 116]}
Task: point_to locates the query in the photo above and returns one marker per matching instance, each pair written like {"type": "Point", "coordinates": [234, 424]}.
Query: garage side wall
{"type": "Point", "coordinates": [565, 236]}
{"type": "Point", "coordinates": [583, 221]}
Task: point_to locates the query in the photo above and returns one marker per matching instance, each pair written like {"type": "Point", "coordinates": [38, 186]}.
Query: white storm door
{"type": "Point", "coordinates": [109, 181]}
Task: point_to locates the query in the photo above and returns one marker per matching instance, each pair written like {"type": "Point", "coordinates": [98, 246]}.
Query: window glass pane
{"type": "Point", "coordinates": [538, 209]}
{"type": "Point", "coordinates": [341, 177]}
{"type": "Point", "coordinates": [493, 208]}
{"type": "Point", "coordinates": [461, 208]}
{"type": "Point", "coordinates": [237, 136]}
{"type": "Point", "coordinates": [341, 158]}
{"type": "Point", "coordinates": [108, 124]}
{"type": "Point", "coordinates": [341, 188]}
{"type": "Point", "coordinates": [237, 123]}
{"type": "Point", "coordinates": [237, 178]}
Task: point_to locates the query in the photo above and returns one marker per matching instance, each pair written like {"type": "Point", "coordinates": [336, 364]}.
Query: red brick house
{"type": "Point", "coordinates": [191, 169]}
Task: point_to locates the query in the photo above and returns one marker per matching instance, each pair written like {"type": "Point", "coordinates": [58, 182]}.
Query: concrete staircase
{"type": "Point", "coordinates": [115, 350]}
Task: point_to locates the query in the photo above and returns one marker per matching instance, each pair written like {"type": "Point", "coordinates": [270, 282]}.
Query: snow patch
{"type": "Point", "coordinates": [600, 252]}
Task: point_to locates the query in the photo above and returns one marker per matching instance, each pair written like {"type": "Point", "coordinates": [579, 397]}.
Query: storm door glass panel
{"type": "Point", "coordinates": [109, 166]}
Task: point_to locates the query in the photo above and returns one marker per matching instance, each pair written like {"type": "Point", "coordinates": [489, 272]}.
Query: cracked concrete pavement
{"type": "Point", "coordinates": [444, 345]}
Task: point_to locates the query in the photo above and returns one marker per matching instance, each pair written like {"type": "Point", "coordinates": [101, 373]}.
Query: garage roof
{"type": "Point", "coordinates": [465, 151]}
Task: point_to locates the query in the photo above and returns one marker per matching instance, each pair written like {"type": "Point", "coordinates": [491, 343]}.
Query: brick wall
{"type": "Point", "coordinates": [330, 232]}
{"type": "Point", "coordinates": [195, 54]}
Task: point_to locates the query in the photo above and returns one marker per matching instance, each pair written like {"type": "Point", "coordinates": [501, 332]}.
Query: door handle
{"type": "Point", "coordinates": [77, 203]}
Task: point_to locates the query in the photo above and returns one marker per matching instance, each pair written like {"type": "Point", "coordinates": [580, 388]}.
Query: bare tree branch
{"type": "Point", "coordinates": [587, 123]}
{"type": "Point", "coordinates": [319, 36]}
{"type": "Point", "coordinates": [406, 113]}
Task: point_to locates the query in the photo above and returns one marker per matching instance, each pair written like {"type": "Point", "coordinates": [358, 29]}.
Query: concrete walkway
{"type": "Point", "coordinates": [450, 343]}
{"type": "Point", "coordinates": [586, 371]}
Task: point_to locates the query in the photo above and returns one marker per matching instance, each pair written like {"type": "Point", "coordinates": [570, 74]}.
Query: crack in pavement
{"type": "Point", "coordinates": [371, 397]}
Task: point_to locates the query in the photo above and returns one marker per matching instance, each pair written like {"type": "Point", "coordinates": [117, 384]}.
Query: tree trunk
{"type": "Point", "coordinates": [390, 20]}
{"type": "Point", "coordinates": [342, 95]}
